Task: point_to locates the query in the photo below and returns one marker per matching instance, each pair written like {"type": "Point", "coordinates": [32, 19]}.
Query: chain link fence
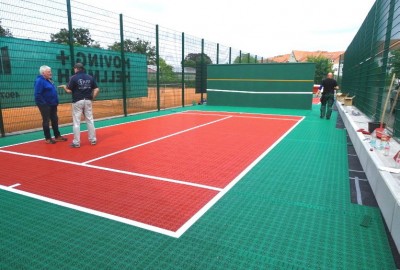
{"type": "Point", "coordinates": [370, 63]}
{"type": "Point", "coordinates": [139, 66]}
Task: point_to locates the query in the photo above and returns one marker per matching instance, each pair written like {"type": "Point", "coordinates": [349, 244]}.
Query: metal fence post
{"type": "Point", "coordinates": [217, 53]}
{"type": "Point", "coordinates": [201, 70]}
{"type": "Point", "coordinates": [121, 30]}
{"type": "Point", "coordinates": [70, 35]}
{"type": "Point", "coordinates": [158, 68]}
{"type": "Point", "coordinates": [3, 133]}
{"type": "Point", "coordinates": [183, 69]}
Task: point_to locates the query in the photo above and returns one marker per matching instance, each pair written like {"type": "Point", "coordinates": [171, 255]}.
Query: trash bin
{"type": "Point", "coordinates": [315, 88]}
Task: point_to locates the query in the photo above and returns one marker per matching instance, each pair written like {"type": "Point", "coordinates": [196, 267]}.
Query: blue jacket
{"type": "Point", "coordinates": [45, 92]}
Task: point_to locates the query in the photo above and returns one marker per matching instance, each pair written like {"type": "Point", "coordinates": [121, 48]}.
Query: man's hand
{"type": "Point", "coordinates": [65, 88]}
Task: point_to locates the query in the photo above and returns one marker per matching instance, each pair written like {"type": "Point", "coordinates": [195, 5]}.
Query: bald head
{"type": "Point", "coordinates": [330, 75]}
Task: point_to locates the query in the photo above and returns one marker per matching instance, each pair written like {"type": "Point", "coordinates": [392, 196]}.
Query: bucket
{"type": "Point", "coordinates": [373, 125]}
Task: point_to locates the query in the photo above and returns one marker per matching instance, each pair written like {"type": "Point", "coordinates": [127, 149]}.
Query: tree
{"type": "Point", "coordinates": [395, 63]}
{"type": "Point", "coordinates": [166, 72]}
{"type": "Point", "coordinates": [323, 66]}
{"type": "Point", "coordinates": [194, 59]}
{"type": "Point", "coordinates": [245, 59]}
{"type": "Point", "coordinates": [137, 46]}
{"type": "Point", "coordinates": [5, 32]}
{"type": "Point", "coordinates": [81, 37]}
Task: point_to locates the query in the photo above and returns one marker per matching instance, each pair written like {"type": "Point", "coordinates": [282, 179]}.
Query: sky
{"type": "Point", "coordinates": [261, 27]}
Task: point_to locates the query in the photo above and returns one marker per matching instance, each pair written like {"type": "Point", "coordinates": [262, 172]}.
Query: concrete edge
{"type": "Point", "coordinates": [384, 184]}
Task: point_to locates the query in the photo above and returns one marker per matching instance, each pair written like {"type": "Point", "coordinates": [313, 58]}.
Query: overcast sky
{"type": "Point", "coordinates": [262, 27]}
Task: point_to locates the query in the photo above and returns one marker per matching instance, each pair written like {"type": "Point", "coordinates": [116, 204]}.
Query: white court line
{"type": "Point", "coordinates": [259, 93]}
{"type": "Point", "coordinates": [155, 140]}
{"type": "Point", "coordinates": [115, 170]}
{"type": "Point", "coordinates": [241, 113]}
{"type": "Point", "coordinates": [93, 212]}
{"type": "Point", "coordinates": [15, 185]}
{"type": "Point", "coordinates": [128, 122]}
{"type": "Point", "coordinates": [214, 200]}
{"type": "Point", "coordinates": [266, 117]}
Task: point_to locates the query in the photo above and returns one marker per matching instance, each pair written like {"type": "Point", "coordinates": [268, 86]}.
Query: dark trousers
{"type": "Point", "coordinates": [326, 105]}
{"type": "Point", "coordinates": [49, 114]}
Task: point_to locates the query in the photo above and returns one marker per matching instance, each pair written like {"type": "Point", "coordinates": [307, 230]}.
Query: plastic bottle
{"type": "Point", "coordinates": [397, 160]}
{"type": "Point", "coordinates": [373, 140]}
{"type": "Point", "coordinates": [379, 144]}
{"type": "Point", "coordinates": [386, 148]}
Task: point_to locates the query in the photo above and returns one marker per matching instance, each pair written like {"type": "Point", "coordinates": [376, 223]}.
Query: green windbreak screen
{"type": "Point", "coordinates": [287, 77]}
{"type": "Point", "coordinates": [21, 58]}
{"type": "Point", "coordinates": [287, 85]}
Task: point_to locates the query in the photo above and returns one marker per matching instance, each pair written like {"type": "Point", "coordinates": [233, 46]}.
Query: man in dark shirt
{"type": "Point", "coordinates": [328, 86]}
{"type": "Point", "coordinates": [84, 90]}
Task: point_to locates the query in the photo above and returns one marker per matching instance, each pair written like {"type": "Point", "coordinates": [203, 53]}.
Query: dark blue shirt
{"type": "Point", "coordinates": [81, 85]}
{"type": "Point", "coordinates": [45, 92]}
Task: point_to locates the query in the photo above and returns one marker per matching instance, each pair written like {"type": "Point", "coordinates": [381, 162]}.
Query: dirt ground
{"type": "Point", "coordinates": [28, 118]}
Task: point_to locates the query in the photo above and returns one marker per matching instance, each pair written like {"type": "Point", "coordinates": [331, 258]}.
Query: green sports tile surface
{"type": "Point", "coordinates": [291, 211]}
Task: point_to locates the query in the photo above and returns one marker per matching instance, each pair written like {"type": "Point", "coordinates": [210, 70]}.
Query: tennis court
{"type": "Point", "coordinates": [137, 164]}
{"type": "Point", "coordinates": [203, 187]}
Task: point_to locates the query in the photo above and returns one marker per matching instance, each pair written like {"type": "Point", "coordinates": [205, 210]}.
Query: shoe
{"type": "Point", "coordinates": [50, 141]}
{"type": "Point", "coordinates": [93, 142]}
{"type": "Point", "coordinates": [328, 118]}
{"type": "Point", "coordinates": [73, 145]}
{"type": "Point", "coordinates": [60, 139]}
{"type": "Point", "coordinates": [321, 116]}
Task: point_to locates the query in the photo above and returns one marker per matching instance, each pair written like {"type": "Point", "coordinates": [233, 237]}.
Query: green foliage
{"type": "Point", "coordinates": [323, 66]}
{"type": "Point", "coordinates": [81, 37]}
{"type": "Point", "coordinates": [137, 46]}
{"type": "Point", "coordinates": [5, 32]}
{"type": "Point", "coordinates": [166, 72]}
{"type": "Point", "coordinates": [193, 59]}
{"type": "Point", "coordinates": [395, 63]}
{"type": "Point", "coordinates": [245, 59]}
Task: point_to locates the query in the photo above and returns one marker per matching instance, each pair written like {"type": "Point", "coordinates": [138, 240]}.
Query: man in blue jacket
{"type": "Point", "coordinates": [46, 98]}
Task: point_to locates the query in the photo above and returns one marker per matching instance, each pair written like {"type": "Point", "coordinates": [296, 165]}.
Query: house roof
{"type": "Point", "coordinates": [279, 59]}
{"type": "Point", "coordinates": [301, 56]}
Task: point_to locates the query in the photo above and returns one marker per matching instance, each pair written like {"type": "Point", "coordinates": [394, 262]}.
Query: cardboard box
{"type": "Point", "coordinates": [340, 97]}
{"type": "Point", "coordinates": [348, 101]}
